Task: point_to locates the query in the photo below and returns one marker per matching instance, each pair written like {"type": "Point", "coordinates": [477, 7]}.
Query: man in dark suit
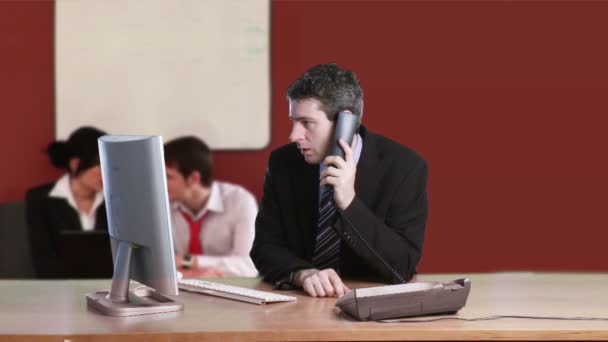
{"type": "Point", "coordinates": [373, 229]}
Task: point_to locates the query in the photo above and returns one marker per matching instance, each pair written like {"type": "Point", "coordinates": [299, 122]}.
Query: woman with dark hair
{"type": "Point", "coordinates": [72, 203]}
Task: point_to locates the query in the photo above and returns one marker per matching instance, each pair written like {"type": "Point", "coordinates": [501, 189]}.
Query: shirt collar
{"type": "Point", "coordinates": [358, 148]}
{"type": "Point", "coordinates": [215, 203]}
{"type": "Point", "coordinates": [62, 190]}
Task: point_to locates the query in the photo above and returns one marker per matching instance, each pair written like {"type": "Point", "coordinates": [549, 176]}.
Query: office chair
{"type": "Point", "coordinates": [16, 260]}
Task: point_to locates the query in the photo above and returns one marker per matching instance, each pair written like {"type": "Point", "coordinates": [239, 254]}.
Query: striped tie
{"type": "Point", "coordinates": [327, 244]}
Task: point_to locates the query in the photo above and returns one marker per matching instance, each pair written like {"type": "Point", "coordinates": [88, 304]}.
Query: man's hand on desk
{"type": "Point", "coordinates": [325, 283]}
{"type": "Point", "coordinates": [209, 272]}
{"type": "Point", "coordinates": [194, 270]}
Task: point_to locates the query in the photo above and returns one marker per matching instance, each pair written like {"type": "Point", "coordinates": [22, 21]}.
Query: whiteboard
{"type": "Point", "coordinates": [165, 67]}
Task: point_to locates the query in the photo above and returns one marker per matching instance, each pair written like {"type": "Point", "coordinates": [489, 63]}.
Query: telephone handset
{"type": "Point", "coordinates": [346, 126]}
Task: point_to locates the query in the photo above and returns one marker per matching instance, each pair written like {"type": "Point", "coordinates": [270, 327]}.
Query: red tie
{"type": "Point", "coordinates": [195, 246]}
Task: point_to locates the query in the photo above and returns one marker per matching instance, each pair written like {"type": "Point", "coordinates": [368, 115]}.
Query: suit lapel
{"type": "Point", "coordinates": [369, 169]}
{"type": "Point", "coordinates": [66, 217]}
{"type": "Point", "coordinates": [63, 215]}
{"type": "Point", "coordinates": [101, 218]}
{"type": "Point", "coordinates": [305, 182]}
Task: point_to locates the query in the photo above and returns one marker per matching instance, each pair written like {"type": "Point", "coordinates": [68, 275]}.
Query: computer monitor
{"type": "Point", "coordinates": [135, 190]}
{"type": "Point", "coordinates": [85, 254]}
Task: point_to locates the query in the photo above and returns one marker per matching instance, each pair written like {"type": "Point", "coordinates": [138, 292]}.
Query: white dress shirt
{"type": "Point", "coordinates": [63, 190]}
{"type": "Point", "coordinates": [227, 230]}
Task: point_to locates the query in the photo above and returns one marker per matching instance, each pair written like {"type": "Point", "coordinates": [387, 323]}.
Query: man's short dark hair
{"type": "Point", "coordinates": [188, 154]}
{"type": "Point", "coordinates": [337, 89]}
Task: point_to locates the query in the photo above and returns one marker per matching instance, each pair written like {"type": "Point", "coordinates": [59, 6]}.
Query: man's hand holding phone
{"type": "Point", "coordinates": [340, 174]}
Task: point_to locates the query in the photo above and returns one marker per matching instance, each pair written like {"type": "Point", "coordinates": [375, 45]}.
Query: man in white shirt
{"type": "Point", "coordinates": [213, 222]}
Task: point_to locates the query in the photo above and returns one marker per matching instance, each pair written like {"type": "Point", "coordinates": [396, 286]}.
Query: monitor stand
{"type": "Point", "coordinates": [120, 301]}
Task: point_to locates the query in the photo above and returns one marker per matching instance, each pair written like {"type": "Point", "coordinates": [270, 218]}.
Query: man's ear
{"type": "Point", "coordinates": [73, 165]}
{"type": "Point", "coordinates": [194, 178]}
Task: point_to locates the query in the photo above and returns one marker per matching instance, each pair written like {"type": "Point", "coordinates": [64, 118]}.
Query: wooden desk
{"type": "Point", "coordinates": [57, 311]}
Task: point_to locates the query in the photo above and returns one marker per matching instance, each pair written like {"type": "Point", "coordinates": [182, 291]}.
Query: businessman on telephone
{"type": "Point", "coordinates": [332, 210]}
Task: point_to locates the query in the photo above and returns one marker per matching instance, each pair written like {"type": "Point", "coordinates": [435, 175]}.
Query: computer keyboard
{"type": "Point", "coordinates": [232, 292]}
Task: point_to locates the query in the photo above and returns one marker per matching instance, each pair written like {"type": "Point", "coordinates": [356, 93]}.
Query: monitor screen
{"type": "Point", "coordinates": [85, 254]}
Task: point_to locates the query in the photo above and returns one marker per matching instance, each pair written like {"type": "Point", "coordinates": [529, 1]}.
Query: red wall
{"type": "Point", "coordinates": [505, 100]}
{"type": "Point", "coordinates": [26, 95]}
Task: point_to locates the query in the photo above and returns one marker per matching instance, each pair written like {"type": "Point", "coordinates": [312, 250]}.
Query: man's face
{"type": "Point", "coordinates": [177, 185]}
{"type": "Point", "coordinates": [311, 130]}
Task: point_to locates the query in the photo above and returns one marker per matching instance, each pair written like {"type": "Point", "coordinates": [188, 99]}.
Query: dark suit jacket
{"type": "Point", "coordinates": [389, 211]}
{"type": "Point", "coordinates": [46, 218]}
